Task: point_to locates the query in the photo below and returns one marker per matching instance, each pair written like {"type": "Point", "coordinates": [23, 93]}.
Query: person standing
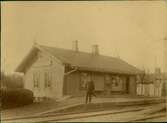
{"type": "Point", "coordinates": [89, 91]}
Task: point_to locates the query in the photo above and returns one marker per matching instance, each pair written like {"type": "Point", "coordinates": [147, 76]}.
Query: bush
{"type": "Point", "coordinates": [16, 97]}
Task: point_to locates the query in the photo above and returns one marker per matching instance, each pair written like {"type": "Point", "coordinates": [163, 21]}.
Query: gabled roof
{"type": "Point", "coordinates": [85, 61]}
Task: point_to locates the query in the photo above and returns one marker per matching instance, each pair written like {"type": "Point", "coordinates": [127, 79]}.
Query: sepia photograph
{"type": "Point", "coordinates": [83, 61]}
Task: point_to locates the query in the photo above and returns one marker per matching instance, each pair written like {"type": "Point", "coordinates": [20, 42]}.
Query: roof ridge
{"type": "Point", "coordinates": [80, 51]}
{"type": "Point", "coordinates": [89, 53]}
{"type": "Point", "coordinates": [86, 60]}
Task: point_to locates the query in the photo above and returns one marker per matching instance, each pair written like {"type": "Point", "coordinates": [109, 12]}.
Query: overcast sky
{"type": "Point", "coordinates": [132, 30]}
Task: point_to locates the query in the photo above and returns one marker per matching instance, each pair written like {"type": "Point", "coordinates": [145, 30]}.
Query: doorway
{"type": "Point", "coordinates": [127, 85]}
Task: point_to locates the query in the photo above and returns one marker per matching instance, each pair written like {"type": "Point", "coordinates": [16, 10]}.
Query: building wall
{"type": "Point", "coordinates": [132, 85]}
{"type": "Point", "coordinates": [98, 79]}
{"type": "Point", "coordinates": [42, 65]}
{"type": "Point", "coordinates": [70, 84]}
{"type": "Point", "coordinates": [74, 83]}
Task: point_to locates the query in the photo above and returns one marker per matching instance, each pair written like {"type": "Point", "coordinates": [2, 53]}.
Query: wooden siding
{"type": "Point", "coordinates": [132, 85]}
{"type": "Point", "coordinates": [98, 79]}
{"type": "Point", "coordinates": [42, 65]}
{"type": "Point", "coordinates": [73, 83]}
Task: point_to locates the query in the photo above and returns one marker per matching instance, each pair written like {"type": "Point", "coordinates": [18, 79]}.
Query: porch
{"type": "Point", "coordinates": [106, 84]}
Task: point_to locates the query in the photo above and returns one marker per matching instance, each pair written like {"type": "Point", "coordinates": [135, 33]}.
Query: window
{"type": "Point", "coordinates": [36, 77]}
{"type": "Point", "coordinates": [48, 79]}
{"type": "Point", "coordinates": [84, 78]}
{"type": "Point", "coordinates": [116, 81]}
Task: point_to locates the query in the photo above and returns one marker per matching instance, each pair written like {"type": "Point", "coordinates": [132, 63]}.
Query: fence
{"type": "Point", "coordinates": [151, 89]}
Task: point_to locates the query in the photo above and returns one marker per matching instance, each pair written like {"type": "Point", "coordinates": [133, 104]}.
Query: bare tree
{"type": "Point", "coordinates": [11, 81]}
{"type": "Point", "coordinates": [142, 79]}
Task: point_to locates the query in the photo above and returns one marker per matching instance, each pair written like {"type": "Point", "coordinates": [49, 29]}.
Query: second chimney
{"type": "Point", "coordinates": [95, 49]}
{"type": "Point", "coordinates": [75, 46]}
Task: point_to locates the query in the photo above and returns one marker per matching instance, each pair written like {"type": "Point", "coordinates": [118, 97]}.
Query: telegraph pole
{"type": "Point", "coordinates": [165, 54]}
{"type": "Point", "coordinates": [165, 68]}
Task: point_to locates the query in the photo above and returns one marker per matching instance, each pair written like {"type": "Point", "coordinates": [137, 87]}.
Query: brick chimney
{"type": "Point", "coordinates": [75, 46]}
{"type": "Point", "coordinates": [95, 49]}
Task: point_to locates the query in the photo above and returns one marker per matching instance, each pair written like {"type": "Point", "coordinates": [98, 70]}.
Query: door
{"type": "Point", "coordinates": [71, 84]}
{"type": "Point", "coordinates": [98, 81]}
{"type": "Point", "coordinates": [127, 84]}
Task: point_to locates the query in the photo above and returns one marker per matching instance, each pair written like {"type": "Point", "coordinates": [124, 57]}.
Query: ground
{"type": "Point", "coordinates": [76, 105]}
{"type": "Point", "coordinates": [117, 117]}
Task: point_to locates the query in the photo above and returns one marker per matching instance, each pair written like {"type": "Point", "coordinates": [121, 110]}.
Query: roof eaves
{"type": "Point", "coordinates": [106, 71]}
{"type": "Point", "coordinates": [20, 67]}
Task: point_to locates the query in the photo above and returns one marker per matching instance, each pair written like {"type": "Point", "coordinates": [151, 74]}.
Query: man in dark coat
{"type": "Point", "coordinates": [89, 91]}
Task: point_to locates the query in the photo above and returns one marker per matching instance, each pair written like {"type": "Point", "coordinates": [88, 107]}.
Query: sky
{"type": "Point", "coordinates": [134, 31]}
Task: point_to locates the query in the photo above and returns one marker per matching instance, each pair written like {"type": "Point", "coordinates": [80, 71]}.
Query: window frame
{"type": "Point", "coordinates": [36, 79]}
{"type": "Point", "coordinates": [47, 79]}
{"type": "Point", "coordinates": [83, 80]}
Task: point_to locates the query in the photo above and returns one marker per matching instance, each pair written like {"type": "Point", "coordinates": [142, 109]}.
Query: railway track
{"type": "Point", "coordinates": [150, 118]}
{"type": "Point", "coordinates": [139, 113]}
{"type": "Point", "coordinates": [58, 117]}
